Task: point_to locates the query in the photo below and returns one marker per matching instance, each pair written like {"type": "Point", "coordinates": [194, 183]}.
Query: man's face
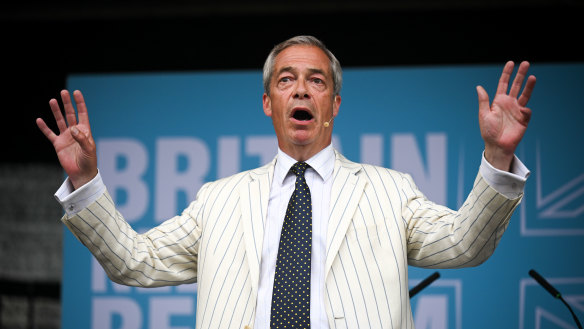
{"type": "Point", "coordinates": [301, 100]}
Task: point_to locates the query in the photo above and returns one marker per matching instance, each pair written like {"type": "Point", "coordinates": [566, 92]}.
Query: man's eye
{"type": "Point", "coordinates": [317, 80]}
{"type": "Point", "coordinates": [286, 79]}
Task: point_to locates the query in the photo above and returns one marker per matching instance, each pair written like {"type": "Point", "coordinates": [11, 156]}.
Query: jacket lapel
{"type": "Point", "coordinates": [347, 190]}
{"type": "Point", "coordinates": [254, 208]}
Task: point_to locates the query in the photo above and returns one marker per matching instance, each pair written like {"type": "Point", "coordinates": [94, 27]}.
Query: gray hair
{"type": "Point", "coordinates": [307, 40]}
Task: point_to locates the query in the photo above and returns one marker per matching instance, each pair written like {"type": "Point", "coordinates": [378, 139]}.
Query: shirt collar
{"type": "Point", "coordinates": [322, 162]}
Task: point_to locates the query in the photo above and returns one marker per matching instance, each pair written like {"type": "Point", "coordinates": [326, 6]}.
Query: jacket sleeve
{"type": "Point", "coordinates": [165, 255]}
{"type": "Point", "coordinates": [442, 238]}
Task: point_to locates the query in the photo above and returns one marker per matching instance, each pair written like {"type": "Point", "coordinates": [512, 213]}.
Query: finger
{"type": "Point", "coordinates": [505, 77]}
{"type": "Point", "coordinates": [81, 107]}
{"type": "Point", "coordinates": [526, 94]}
{"type": "Point", "coordinates": [61, 124]}
{"type": "Point", "coordinates": [69, 109]}
{"type": "Point", "coordinates": [46, 130]}
{"type": "Point", "coordinates": [526, 115]}
{"type": "Point", "coordinates": [484, 106]}
{"type": "Point", "coordinates": [518, 81]}
{"type": "Point", "coordinates": [83, 140]}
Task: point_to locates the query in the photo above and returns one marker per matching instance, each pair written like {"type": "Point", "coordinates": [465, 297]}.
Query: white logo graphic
{"type": "Point", "coordinates": [438, 306]}
{"type": "Point", "coordinates": [562, 206]}
{"type": "Point", "coordinates": [539, 310]}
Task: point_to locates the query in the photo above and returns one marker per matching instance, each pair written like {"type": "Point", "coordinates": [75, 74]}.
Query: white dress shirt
{"type": "Point", "coordinates": [319, 180]}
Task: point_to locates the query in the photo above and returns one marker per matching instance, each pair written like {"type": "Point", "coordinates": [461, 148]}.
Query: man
{"type": "Point", "coordinates": [366, 223]}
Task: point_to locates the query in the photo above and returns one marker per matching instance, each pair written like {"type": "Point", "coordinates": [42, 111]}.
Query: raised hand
{"type": "Point", "coordinates": [74, 145]}
{"type": "Point", "coordinates": [504, 122]}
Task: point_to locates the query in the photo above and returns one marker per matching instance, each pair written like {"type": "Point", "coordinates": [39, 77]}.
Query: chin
{"type": "Point", "coordinates": [303, 137]}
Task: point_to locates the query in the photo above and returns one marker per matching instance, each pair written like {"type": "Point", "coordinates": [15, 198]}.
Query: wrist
{"type": "Point", "coordinates": [499, 159]}
{"type": "Point", "coordinates": [78, 182]}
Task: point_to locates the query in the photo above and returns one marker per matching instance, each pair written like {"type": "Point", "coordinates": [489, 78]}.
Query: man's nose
{"type": "Point", "coordinates": [301, 90]}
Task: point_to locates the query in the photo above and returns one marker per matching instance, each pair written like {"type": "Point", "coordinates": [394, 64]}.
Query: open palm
{"type": "Point", "coordinates": [74, 144]}
{"type": "Point", "coordinates": [504, 122]}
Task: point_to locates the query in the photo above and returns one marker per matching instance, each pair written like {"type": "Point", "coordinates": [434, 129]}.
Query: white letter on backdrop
{"type": "Point", "coordinates": [406, 157]}
{"type": "Point", "coordinates": [171, 179]}
{"type": "Point", "coordinates": [162, 310]}
{"type": "Point", "coordinates": [122, 163]}
{"type": "Point", "coordinates": [228, 155]}
{"type": "Point", "coordinates": [266, 147]}
{"type": "Point", "coordinates": [106, 308]}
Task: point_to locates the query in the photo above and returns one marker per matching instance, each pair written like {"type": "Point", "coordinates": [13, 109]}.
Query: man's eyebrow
{"type": "Point", "coordinates": [286, 69]}
{"type": "Point", "coordinates": [319, 71]}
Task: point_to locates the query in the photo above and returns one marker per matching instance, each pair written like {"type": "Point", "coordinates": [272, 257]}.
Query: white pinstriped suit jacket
{"type": "Point", "coordinates": [379, 223]}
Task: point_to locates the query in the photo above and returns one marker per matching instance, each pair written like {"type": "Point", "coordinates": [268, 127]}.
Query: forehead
{"type": "Point", "coordinates": [301, 57]}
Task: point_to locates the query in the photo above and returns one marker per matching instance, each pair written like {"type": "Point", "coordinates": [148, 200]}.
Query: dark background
{"type": "Point", "coordinates": [43, 42]}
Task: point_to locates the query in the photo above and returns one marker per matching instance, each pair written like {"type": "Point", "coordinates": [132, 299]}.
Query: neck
{"type": "Point", "coordinates": [302, 152]}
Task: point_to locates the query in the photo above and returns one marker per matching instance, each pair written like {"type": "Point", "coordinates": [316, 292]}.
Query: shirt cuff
{"type": "Point", "coordinates": [74, 200]}
{"type": "Point", "coordinates": [509, 183]}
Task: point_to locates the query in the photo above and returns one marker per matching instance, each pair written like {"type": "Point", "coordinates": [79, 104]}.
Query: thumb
{"type": "Point", "coordinates": [484, 106]}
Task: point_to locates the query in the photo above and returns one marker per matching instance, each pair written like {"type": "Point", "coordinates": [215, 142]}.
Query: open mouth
{"type": "Point", "coordinates": [302, 115]}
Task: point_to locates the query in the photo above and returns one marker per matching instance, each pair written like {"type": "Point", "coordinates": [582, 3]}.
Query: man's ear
{"type": "Point", "coordinates": [267, 105]}
{"type": "Point", "coordinates": [336, 105]}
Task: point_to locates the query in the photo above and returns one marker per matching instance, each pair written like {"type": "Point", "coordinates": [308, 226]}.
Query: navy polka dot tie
{"type": "Point", "coordinates": [291, 296]}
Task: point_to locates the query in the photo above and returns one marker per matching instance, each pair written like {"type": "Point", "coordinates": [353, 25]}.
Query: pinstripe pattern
{"type": "Point", "coordinates": [379, 224]}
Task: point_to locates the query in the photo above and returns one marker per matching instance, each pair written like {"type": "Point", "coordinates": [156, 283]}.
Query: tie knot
{"type": "Point", "coordinates": [299, 168]}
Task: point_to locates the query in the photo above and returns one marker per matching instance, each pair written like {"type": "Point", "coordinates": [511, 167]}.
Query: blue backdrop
{"type": "Point", "coordinates": [161, 136]}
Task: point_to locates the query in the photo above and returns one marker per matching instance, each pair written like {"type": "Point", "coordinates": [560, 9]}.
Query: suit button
{"type": "Point", "coordinates": [247, 327]}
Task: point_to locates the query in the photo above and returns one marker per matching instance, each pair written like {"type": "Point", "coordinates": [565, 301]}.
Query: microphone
{"type": "Point", "coordinates": [426, 282]}
{"type": "Point", "coordinates": [328, 123]}
{"type": "Point", "coordinates": [543, 282]}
